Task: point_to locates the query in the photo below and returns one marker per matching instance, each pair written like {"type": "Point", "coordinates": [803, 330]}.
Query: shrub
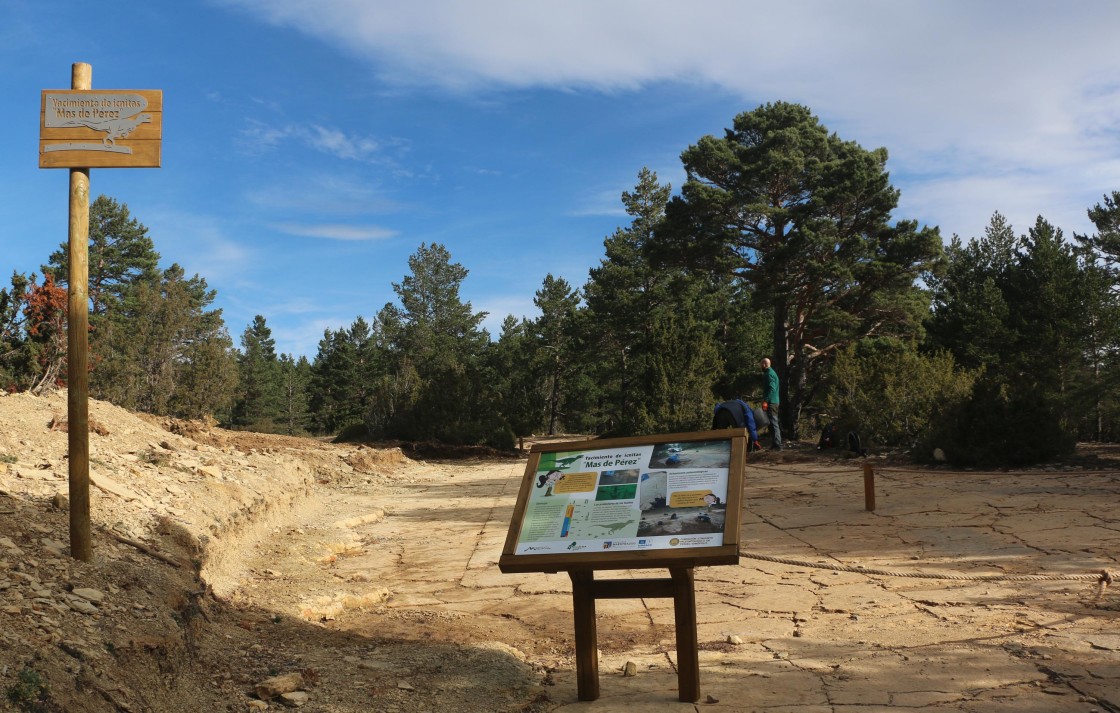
{"type": "Point", "coordinates": [353, 433]}
{"type": "Point", "coordinates": [502, 438]}
{"type": "Point", "coordinates": [1002, 424]}
{"type": "Point", "coordinates": [29, 692]}
{"type": "Point", "coordinates": [891, 394]}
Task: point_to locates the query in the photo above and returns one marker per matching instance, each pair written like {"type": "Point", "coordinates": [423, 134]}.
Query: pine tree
{"type": "Point", "coordinates": [258, 406]}
{"type": "Point", "coordinates": [554, 336]}
{"type": "Point", "coordinates": [120, 255]}
{"type": "Point", "coordinates": [970, 309]}
{"type": "Point", "coordinates": [1100, 261]}
{"type": "Point", "coordinates": [164, 351]}
{"type": "Point", "coordinates": [1106, 219]}
{"type": "Point", "coordinates": [804, 218]}
{"type": "Point", "coordinates": [657, 354]}
{"type": "Point", "coordinates": [622, 295]}
{"type": "Point", "coordinates": [295, 380]}
{"type": "Point", "coordinates": [517, 388]}
{"type": "Point", "coordinates": [439, 377]}
{"type": "Point", "coordinates": [15, 363]}
{"type": "Point", "coordinates": [1016, 307]}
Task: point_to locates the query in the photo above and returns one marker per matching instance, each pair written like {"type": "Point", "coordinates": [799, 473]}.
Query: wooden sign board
{"type": "Point", "coordinates": [103, 128]}
{"type": "Point", "coordinates": [671, 500]}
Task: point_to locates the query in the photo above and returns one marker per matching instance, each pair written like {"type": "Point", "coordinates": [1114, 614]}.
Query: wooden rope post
{"type": "Point", "coordinates": [869, 486]}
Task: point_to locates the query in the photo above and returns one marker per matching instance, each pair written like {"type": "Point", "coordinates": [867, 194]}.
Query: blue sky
{"type": "Point", "coordinates": [310, 147]}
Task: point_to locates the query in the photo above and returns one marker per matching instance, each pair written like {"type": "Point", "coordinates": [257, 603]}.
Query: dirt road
{"type": "Point", "coordinates": [416, 559]}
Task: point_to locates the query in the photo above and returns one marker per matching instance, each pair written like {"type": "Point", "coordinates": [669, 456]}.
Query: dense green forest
{"type": "Point", "coordinates": [999, 349]}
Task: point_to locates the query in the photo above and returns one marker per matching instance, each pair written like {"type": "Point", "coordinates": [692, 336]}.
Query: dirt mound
{"type": "Point", "coordinates": [176, 506]}
{"type": "Point", "coordinates": [371, 460]}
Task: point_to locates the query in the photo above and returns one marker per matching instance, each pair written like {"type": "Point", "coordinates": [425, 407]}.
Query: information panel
{"type": "Point", "coordinates": [108, 128]}
{"type": "Point", "coordinates": [608, 502]}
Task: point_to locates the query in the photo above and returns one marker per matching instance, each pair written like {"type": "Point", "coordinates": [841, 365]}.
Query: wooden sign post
{"type": "Point", "coordinates": [670, 501]}
{"type": "Point", "coordinates": [80, 129]}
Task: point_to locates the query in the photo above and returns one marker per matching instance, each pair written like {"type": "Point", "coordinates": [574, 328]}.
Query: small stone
{"type": "Point", "coordinates": [405, 686]}
{"type": "Point", "coordinates": [82, 606]}
{"type": "Point", "coordinates": [60, 502]}
{"type": "Point", "coordinates": [278, 685]}
{"type": "Point", "coordinates": [734, 639]}
{"type": "Point", "coordinates": [209, 470]}
{"type": "Point", "coordinates": [75, 649]}
{"type": "Point", "coordinates": [295, 699]}
{"type": "Point", "coordinates": [711, 699]}
{"type": "Point", "coordinates": [90, 595]}
{"type": "Point", "coordinates": [630, 669]}
{"type": "Point", "coordinates": [258, 706]}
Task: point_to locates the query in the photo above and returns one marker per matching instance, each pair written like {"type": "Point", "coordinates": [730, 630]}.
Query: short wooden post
{"type": "Point", "coordinates": [869, 486]}
{"type": "Point", "coordinates": [587, 654]}
{"type": "Point", "coordinates": [77, 343]}
{"type": "Point", "coordinates": [688, 648]}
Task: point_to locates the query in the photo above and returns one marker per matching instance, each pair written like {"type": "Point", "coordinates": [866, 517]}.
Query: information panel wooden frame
{"type": "Point", "coordinates": [100, 128]}
{"type": "Point", "coordinates": [592, 558]}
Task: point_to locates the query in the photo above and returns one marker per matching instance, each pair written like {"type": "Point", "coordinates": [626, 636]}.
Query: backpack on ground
{"type": "Point", "coordinates": [827, 439]}
{"type": "Point", "coordinates": [854, 444]}
{"type": "Point", "coordinates": [761, 418]}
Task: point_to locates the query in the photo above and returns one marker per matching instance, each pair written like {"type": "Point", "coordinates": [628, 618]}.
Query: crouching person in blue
{"type": "Point", "coordinates": [737, 413]}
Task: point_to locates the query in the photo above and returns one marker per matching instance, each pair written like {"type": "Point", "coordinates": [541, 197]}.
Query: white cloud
{"type": "Point", "coordinates": [321, 193]}
{"type": "Point", "coordinates": [335, 142]}
{"type": "Point", "coordinates": [1001, 93]}
{"type": "Point", "coordinates": [259, 137]}
{"type": "Point", "coordinates": [336, 231]}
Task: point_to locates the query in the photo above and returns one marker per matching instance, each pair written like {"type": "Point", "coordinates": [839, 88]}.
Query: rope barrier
{"type": "Point", "coordinates": [1102, 579]}
{"type": "Point", "coordinates": [1103, 576]}
{"type": "Point", "coordinates": [882, 468]}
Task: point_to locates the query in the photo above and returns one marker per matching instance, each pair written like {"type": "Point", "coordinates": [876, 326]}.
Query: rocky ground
{"type": "Point", "coordinates": [245, 572]}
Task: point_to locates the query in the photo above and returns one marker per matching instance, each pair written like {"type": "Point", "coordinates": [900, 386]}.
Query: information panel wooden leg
{"type": "Point", "coordinates": [688, 650]}
{"type": "Point", "coordinates": [587, 655]}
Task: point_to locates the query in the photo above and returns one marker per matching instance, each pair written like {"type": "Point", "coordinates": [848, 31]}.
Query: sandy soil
{"type": "Point", "coordinates": [247, 572]}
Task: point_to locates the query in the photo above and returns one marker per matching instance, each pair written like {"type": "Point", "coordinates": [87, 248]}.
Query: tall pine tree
{"type": "Point", "coordinates": [258, 406]}
{"type": "Point", "coordinates": [805, 219]}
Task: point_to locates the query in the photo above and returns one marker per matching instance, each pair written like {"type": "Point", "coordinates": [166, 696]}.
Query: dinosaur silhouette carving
{"type": "Point", "coordinates": [114, 128]}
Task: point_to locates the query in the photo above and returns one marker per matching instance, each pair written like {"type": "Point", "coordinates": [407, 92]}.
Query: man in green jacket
{"type": "Point", "coordinates": [770, 402]}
